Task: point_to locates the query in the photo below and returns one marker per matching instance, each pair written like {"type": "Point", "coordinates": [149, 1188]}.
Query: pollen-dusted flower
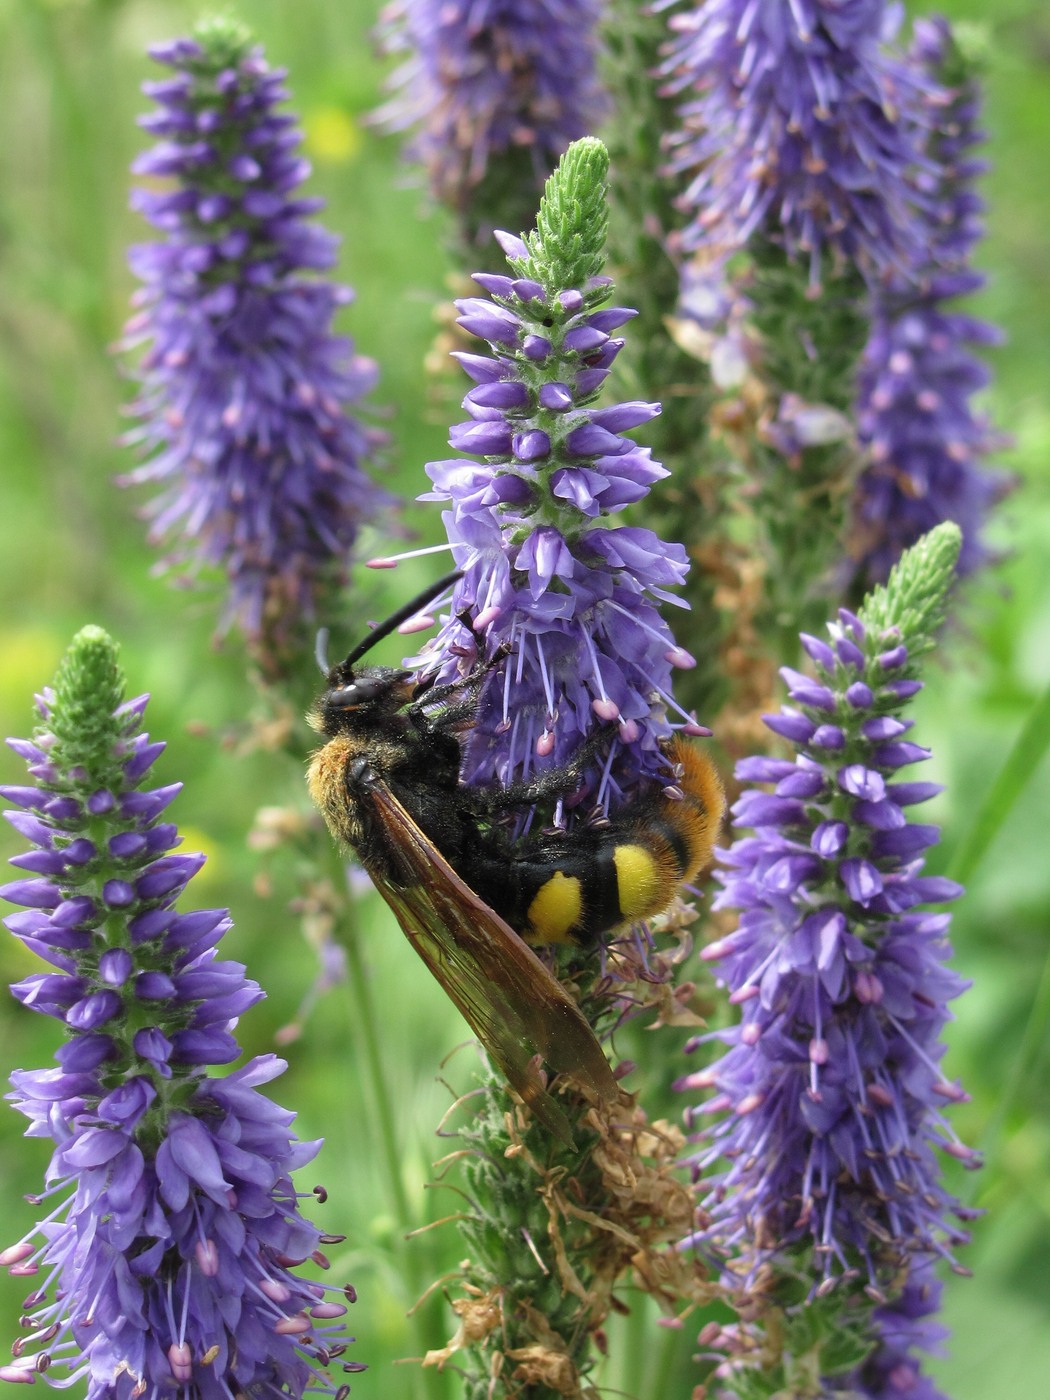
{"type": "Point", "coordinates": [547, 577]}
{"type": "Point", "coordinates": [796, 121]}
{"type": "Point", "coordinates": [497, 90]}
{"type": "Point", "coordinates": [831, 1089]}
{"type": "Point", "coordinates": [243, 410]}
{"type": "Point", "coordinates": [921, 369]}
{"type": "Point", "coordinates": [167, 1261]}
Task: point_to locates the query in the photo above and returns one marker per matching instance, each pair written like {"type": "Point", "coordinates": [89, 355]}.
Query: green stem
{"type": "Point", "coordinates": [634, 1343]}
{"type": "Point", "coordinates": [368, 1035]}
{"type": "Point", "coordinates": [667, 1360]}
{"type": "Point", "coordinates": [1032, 1044]}
{"type": "Point", "coordinates": [1021, 763]}
{"type": "Point", "coordinates": [369, 1042]}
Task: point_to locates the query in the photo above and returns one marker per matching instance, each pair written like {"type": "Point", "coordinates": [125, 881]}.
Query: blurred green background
{"type": "Point", "coordinates": [73, 552]}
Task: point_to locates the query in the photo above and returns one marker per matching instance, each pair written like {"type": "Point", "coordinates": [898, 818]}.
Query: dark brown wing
{"type": "Point", "coordinates": [512, 1002]}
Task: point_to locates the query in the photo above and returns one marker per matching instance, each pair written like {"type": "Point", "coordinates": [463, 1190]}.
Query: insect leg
{"type": "Point", "coordinates": [551, 783]}
{"type": "Point", "coordinates": [428, 696]}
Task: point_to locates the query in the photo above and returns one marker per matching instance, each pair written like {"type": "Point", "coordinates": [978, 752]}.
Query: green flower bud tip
{"type": "Point", "coordinates": [914, 599]}
{"type": "Point", "coordinates": [224, 39]}
{"type": "Point", "coordinates": [567, 247]}
{"type": "Point", "coordinates": [89, 687]}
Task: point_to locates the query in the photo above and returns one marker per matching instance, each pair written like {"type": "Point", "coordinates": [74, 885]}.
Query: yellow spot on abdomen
{"type": "Point", "coordinates": [640, 889]}
{"type": "Point", "coordinates": [555, 910]}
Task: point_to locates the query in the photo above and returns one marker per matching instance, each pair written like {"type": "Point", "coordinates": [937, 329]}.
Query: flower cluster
{"type": "Point", "coordinates": [798, 125]}
{"type": "Point", "coordinates": [545, 576]}
{"type": "Point", "coordinates": [498, 90]}
{"type": "Point", "coordinates": [920, 371]}
{"type": "Point", "coordinates": [904, 1327]}
{"type": "Point", "coordinates": [244, 386]}
{"type": "Point", "coordinates": [832, 1080]}
{"type": "Point", "coordinates": [167, 1263]}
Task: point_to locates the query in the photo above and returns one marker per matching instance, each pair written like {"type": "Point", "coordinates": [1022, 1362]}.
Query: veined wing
{"type": "Point", "coordinates": [512, 1002]}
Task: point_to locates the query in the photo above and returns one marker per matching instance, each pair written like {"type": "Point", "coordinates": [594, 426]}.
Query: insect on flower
{"type": "Point", "coordinates": [469, 899]}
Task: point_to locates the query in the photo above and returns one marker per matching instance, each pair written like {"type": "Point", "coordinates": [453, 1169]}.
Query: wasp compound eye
{"type": "Point", "coordinates": [344, 698]}
{"type": "Point", "coordinates": [360, 691]}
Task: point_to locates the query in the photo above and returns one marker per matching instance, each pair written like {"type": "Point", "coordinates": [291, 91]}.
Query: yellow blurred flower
{"type": "Point", "coordinates": [30, 655]}
{"type": "Point", "coordinates": [331, 135]}
{"type": "Point", "coordinates": [193, 839]}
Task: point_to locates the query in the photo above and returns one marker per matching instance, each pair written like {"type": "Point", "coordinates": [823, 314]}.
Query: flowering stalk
{"type": "Point", "coordinates": [497, 90]}
{"type": "Point", "coordinates": [657, 363]}
{"type": "Point", "coordinates": [570, 601]}
{"type": "Point", "coordinates": [551, 1234]}
{"type": "Point", "coordinates": [828, 1192]}
{"type": "Point", "coordinates": [642, 237]}
{"type": "Point", "coordinates": [545, 574]}
{"type": "Point", "coordinates": [168, 1259]}
{"type": "Point", "coordinates": [842, 167]}
{"type": "Point", "coordinates": [796, 122]}
{"type": "Point", "coordinates": [903, 1330]}
{"type": "Point", "coordinates": [785, 452]}
{"type": "Point", "coordinates": [920, 371]}
{"type": "Point", "coordinates": [801, 454]}
{"type": "Point", "coordinates": [244, 387]}
{"type": "Point", "coordinates": [795, 127]}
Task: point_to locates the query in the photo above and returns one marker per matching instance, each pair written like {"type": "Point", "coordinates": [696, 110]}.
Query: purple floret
{"type": "Point", "coordinates": [244, 387]}
{"type": "Point", "coordinates": [167, 1261]}
{"type": "Point", "coordinates": [487, 78]}
{"type": "Point", "coordinates": [797, 126]}
{"type": "Point", "coordinates": [547, 576]}
{"type": "Point", "coordinates": [831, 1089]}
{"type": "Point", "coordinates": [922, 367]}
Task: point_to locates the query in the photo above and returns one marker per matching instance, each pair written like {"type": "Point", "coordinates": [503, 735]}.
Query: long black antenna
{"type": "Point", "coordinates": [395, 620]}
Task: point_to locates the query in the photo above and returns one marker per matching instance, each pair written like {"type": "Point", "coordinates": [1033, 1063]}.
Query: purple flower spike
{"type": "Point", "coordinates": [169, 1253]}
{"type": "Point", "coordinates": [922, 368]}
{"type": "Point", "coordinates": [571, 599]}
{"type": "Point", "coordinates": [243, 385]}
{"type": "Point", "coordinates": [492, 87]}
{"type": "Point", "coordinates": [908, 1325]}
{"type": "Point", "coordinates": [826, 1156]}
{"type": "Point", "coordinates": [797, 126]}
